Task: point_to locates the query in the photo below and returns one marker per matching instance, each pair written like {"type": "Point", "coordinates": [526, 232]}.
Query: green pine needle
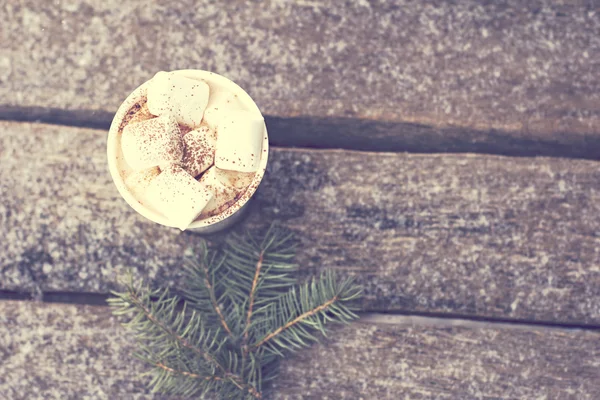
{"type": "Point", "coordinates": [238, 315]}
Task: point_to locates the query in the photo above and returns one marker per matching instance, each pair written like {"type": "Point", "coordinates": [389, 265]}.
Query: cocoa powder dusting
{"type": "Point", "coordinates": [184, 129]}
{"type": "Point", "coordinates": [137, 113]}
{"type": "Point", "coordinates": [196, 152]}
{"type": "Point", "coordinates": [199, 150]}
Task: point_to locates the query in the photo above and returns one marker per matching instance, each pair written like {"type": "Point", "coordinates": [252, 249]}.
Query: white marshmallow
{"type": "Point", "coordinates": [138, 182]}
{"type": "Point", "coordinates": [220, 103]}
{"type": "Point", "coordinates": [234, 179]}
{"type": "Point", "coordinates": [213, 116]}
{"type": "Point", "coordinates": [152, 142]}
{"type": "Point", "coordinates": [199, 150]}
{"type": "Point", "coordinates": [224, 98]}
{"type": "Point", "coordinates": [239, 141]}
{"type": "Point", "coordinates": [222, 194]}
{"type": "Point", "coordinates": [185, 98]}
{"type": "Point", "coordinates": [177, 195]}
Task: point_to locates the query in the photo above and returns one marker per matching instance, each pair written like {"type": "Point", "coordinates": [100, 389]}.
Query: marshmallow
{"type": "Point", "coordinates": [178, 196]}
{"type": "Point", "coordinates": [234, 179]}
{"type": "Point", "coordinates": [199, 151]}
{"type": "Point", "coordinates": [239, 141]}
{"type": "Point", "coordinates": [222, 194]}
{"type": "Point", "coordinates": [220, 103]}
{"type": "Point", "coordinates": [185, 98]}
{"type": "Point", "coordinates": [138, 182]}
{"type": "Point", "coordinates": [213, 116]}
{"type": "Point", "coordinates": [153, 142]}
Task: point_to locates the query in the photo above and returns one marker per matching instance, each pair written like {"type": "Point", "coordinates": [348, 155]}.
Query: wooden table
{"type": "Point", "coordinates": [443, 153]}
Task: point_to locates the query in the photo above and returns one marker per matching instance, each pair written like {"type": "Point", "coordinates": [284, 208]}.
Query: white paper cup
{"type": "Point", "coordinates": [118, 167]}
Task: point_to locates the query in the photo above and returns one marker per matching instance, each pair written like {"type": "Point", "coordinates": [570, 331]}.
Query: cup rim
{"type": "Point", "coordinates": [154, 216]}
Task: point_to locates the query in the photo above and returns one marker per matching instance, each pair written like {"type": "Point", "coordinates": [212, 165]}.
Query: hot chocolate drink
{"type": "Point", "coordinates": [189, 149]}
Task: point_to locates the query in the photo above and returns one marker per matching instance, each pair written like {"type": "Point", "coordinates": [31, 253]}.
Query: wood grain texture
{"type": "Point", "coordinates": [508, 76]}
{"type": "Point", "coordinates": [412, 361]}
{"type": "Point", "coordinates": [70, 352]}
{"type": "Point", "coordinates": [465, 234]}
{"type": "Point", "coordinates": [66, 352]}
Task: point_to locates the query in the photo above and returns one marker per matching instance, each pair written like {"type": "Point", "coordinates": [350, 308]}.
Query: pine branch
{"type": "Point", "coordinates": [136, 301]}
{"type": "Point", "coordinates": [185, 373]}
{"type": "Point", "coordinates": [276, 274]}
{"type": "Point", "coordinates": [160, 323]}
{"type": "Point", "coordinates": [246, 290]}
{"type": "Point", "coordinates": [299, 319]}
{"type": "Point", "coordinates": [200, 291]}
{"type": "Point", "coordinates": [298, 313]}
{"type": "Point", "coordinates": [213, 299]}
{"type": "Point", "coordinates": [252, 294]}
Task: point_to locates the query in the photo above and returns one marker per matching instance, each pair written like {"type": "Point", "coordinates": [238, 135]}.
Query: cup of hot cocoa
{"type": "Point", "coordinates": [187, 149]}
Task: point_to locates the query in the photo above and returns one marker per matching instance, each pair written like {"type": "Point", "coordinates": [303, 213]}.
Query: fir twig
{"type": "Point", "coordinates": [185, 373]}
{"type": "Point", "coordinates": [193, 329]}
{"type": "Point", "coordinates": [295, 321]}
{"type": "Point", "coordinates": [213, 299]}
{"type": "Point", "coordinates": [311, 307]}
{"type": "Point", "coordinates": [246, 292]}
{"type": "Point", "coordinates": [137, 302]}
{"type": "Point", "coordinates": [252, 293]}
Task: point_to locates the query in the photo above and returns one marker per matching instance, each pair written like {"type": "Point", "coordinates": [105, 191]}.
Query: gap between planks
{"type": "Point", "coordinates": [356, 134]}
{"type": "Point", "coordinates": [397, 317]}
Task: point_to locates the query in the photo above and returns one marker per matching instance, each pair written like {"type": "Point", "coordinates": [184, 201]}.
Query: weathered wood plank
{"type": "Point", "coordinates": [468, 234]}
{"type": "Point", "coordinates": [419, 360]}
{"type": "Point", "coordinates": [52, 351]}
{"type": "Point", "coordinates": [503, 76]}
{"type": "Point", "coordinates": [69, 352]}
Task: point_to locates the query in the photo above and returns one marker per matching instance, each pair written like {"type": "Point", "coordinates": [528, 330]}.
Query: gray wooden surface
{"type": "Point", "coordinates": [468, 234]}
{"type": "Point", "coordinates": [433, 233]}
{"type": "Point", "coordinates": [502, 76]}
{"type": "Point", "coordinates": [55, 351]}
